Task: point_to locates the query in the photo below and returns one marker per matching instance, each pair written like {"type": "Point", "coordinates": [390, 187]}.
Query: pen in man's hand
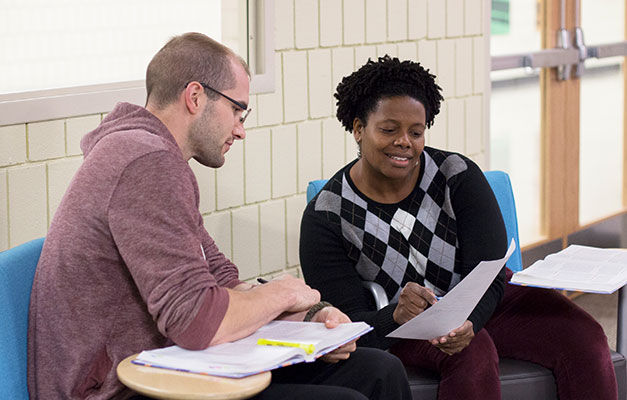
{"type": "Point", "coordinates": [261, 280]}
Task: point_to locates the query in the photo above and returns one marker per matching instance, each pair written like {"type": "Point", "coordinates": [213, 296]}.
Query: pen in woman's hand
{"type": "Point", "coordinates": [261, 280]}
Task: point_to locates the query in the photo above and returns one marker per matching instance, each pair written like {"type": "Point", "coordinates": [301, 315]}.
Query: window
{"type": "Point", "coordinates": [74, 57]}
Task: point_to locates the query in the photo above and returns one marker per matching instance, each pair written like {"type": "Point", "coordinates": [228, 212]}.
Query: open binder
{"type": "Point", "coordinates": [578, 268]}
{"type": "Point", "coordinates": [276, 344]}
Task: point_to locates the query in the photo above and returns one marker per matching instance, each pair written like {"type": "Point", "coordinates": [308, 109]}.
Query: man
{"type": "Point", "coordinates": [127, 264]}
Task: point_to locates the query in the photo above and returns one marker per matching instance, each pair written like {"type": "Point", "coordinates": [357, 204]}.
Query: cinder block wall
{"type": "Point", "coordinates": [252, 206]}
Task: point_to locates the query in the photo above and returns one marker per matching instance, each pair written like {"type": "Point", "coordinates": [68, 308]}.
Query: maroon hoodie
{"type": "Point", "coordinates": [127, 264]}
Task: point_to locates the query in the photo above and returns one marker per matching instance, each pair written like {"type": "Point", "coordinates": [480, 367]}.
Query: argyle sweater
{"type": "Point", "coordinates": [434, 237]}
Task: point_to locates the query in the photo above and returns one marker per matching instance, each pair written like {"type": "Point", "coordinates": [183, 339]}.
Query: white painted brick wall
{"type": "Point", "coordinates": [417, 15]}
{"type": "Point", "coordinates": [463, 67]}
{"type": "Point", "coordinates": [28, 216]}
{"type": "Point", "coordinates": [76, 128]}
{"type": "Point", "coordinates": [397, 20]}
{"type": "Point", "coordinates": [60, 173]}
{"type": "Point", "coordinates": [454, 20]}
{"type": "Point", "coordinates": [295, 86]}
{"type": "Point", "coordinates": [456, 125]}
{"type": "Point", "coordinates": [46, 140]}
{"type": "Point", "coordinates": [473, 17]}
{"type": "Point", "coordinates": [354, 22]}
{"type": "Point", "coordinates": [376, 21]}
{"type": "Point", "coordinates": [408, 51]}
{"type": "Point", "coordinates": [258, 157]}
{"type": "Point", "coordinates": [230, 178]}
{"type": "Point", "coordinates": [480, 160]}
{"type": "Point", "coordinates": [206, 178]}
{"type": "Point", "coordinates": [436, 19]}
{"type": "Point", "coordinates": [284, 176]}
{"type": "Point", "coordinates": [320, 83]}
{"type": "Point", "coordinates": [479, 64]}
{"type": "Point", "coordinates": [12, 144]}
{"type": "Point", "coordinates": [331, 30]}
{"type": "Point", "coordinates": [437, 134]}
{"type": "Point", "coordinates": [270, 105]}
{"type": "Point", "coordinates": [309, 153]}
{"type": "Point", "coordinates": [219, 227]}
{"type": "Point", "coordinates": [389, 48]}
{"type": "Point", "coordinates": [252, 120]}
{"type": "Point", "coordinates": [272, 236]}
{"type": "Point", "coordinates": [363, 53]}
{"type": "Point", "coordinates": [351, 148]}
{"type": "Point", "coordinates": [342, 65]}
{"type": "Point", "coordinates": [428, 55]}
{"type": "Point", "coordinates": [284, 24]}
{"type": "Point", "coordinates": [446, 67]}
{"type": "Point", "coordinates": [333, 137]}
{"type": "Point", "coordinates": [246, 241]}
{"type": "Point", "coordinates": [306, 24]}
{"type": "Point", "coordinates": [294, 212]}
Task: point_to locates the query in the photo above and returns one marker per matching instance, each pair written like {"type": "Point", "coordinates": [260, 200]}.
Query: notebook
{"type": "Point", "coordinates": [276, 344]}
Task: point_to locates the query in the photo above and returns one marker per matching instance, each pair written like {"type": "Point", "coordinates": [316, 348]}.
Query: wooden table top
{"type": "Point", "coordinates": [163, 383]}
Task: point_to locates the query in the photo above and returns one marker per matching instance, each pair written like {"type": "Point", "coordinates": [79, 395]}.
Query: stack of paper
{"type": "Point", "coordinates": [578, 268]}
{"type": "Point", "coordinates": [277, 344]}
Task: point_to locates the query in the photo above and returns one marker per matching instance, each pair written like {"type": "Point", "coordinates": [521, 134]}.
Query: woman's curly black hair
{"type": "Point", "coordinates": [358, 93]}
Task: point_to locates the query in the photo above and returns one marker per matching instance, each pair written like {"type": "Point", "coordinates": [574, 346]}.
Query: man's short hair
{"type": "Point", "coordinates": [185, 58]}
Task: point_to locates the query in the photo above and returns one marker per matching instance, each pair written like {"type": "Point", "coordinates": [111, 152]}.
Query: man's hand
{"type": "Point", "coordinates": [456, 340]}
{"type": "Point", "coordinates": [332, 317]}
{"type": "Point", "coordinates": [413, 300]}
{"type": "Point", "coordinates": [303, 296]}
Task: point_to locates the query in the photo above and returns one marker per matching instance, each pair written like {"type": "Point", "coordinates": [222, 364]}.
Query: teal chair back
{"type": "Point", "coordinates": [502, 188]}
{"type": "Point", "coordinates": [17, 269]}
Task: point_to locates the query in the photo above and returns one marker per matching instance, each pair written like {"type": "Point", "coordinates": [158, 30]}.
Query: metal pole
{"type": "Point", "coordinates": [563, 42]}
{"type": "Point", "coordinates": [580, 45]}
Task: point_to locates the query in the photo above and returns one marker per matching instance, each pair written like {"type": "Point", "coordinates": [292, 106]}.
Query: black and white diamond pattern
{"type": "Point", "coordinates": [416, 243]}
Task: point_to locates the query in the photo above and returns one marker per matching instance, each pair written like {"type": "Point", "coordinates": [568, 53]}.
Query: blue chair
{"type": "Point", "coordinates": [519, 379]}
{"type": "Point", "coordinates": [502, 189]}
{"type": "Point", "coordinates": [17, 269]}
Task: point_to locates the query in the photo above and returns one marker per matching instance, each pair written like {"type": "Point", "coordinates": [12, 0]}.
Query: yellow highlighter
{"type": "Point", "coordinates": [308, 347]}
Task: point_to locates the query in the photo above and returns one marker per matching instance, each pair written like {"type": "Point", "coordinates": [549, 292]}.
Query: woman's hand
{"type": "Point", "coordinates": [413, 300]}
{"type": "Point", "coordinates": [332, 317]}
{"type": "Point", "coordinates": [456, 340]}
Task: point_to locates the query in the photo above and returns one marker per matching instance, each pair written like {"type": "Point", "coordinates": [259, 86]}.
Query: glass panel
{"type": "Point", "coordinates": [515, 146]}
{"type": "Point", "coordinates": [49, 44]}
{"type": "Point", "coordinates": [515, 26]}
{"type": "Point", "coordinates": [602, 21]}
{"type": "Point", "coordinates": [601, 140]}
{"type": "Point", "coordinates": [601, 115]}
{"type": "Point", "coordinates": [515, 110]}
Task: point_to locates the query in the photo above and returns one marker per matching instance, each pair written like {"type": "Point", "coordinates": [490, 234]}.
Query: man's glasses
{"type": "Point", "coordinates": [245, 110]}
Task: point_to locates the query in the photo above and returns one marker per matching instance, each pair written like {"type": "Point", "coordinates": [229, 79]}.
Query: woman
{"type": "Point", "coordinates": [417, 220]}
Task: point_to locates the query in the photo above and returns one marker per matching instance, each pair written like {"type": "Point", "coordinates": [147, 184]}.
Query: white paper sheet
{"type": "Point", "coordinates": [455, 307]}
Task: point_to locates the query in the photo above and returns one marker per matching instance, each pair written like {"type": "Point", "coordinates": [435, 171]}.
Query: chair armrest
{"type": "Point", "coordinates": [379, 295]}
{"type": "Point", "coordinates": [621, 335]}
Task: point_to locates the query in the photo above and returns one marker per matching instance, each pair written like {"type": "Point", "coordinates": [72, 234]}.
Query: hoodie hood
{"type": "Point", "coordinates": [126, 117]}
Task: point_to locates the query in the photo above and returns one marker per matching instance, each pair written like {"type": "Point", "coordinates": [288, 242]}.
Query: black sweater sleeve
{"type": "Point", "coordinates": [480, 233]}
{"type": "Point", "coordinates": [327, 267]}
